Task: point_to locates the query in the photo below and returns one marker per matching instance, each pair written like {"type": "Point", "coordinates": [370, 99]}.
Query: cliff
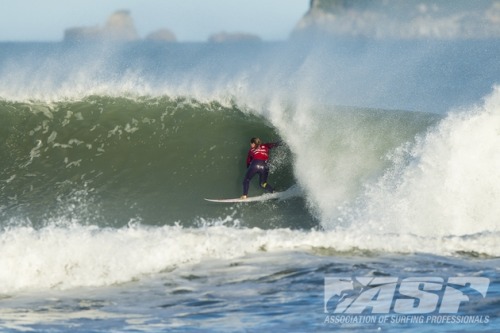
{"type": "Point", "coordinates": [224, 37]}
{"type": "Point", "coordinates": [409, 19]}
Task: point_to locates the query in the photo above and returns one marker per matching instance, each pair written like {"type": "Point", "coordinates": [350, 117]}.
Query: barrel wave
{"type": "Point", "coordinates": [109, 161]}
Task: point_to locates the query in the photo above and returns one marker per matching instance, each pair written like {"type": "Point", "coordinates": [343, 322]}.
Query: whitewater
{"type": "Point", "coordinates": [390, 151]}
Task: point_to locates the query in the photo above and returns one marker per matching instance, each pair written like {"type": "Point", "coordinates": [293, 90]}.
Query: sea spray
{"type": "Point", "coordinates": [444, 183]}
{"type": "Point", "coordinates": [339, 150]}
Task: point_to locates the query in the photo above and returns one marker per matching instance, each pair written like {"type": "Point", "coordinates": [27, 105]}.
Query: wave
{"type": "Point", "coordinates": [107, 160]}
{"type": "Point", "coordinates": [99, 185]}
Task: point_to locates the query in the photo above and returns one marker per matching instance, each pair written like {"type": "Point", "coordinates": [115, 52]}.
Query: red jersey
{"type": "Point", "coordinates": [260, 152]}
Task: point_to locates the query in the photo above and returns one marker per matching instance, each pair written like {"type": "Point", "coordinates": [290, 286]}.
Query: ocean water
{"type": "Point", "coordinates": [390, 155]}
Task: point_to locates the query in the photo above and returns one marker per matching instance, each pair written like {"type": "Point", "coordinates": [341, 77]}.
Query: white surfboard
{"type": "Point", "coordinates": [291, 192]}
{"type": "Point", "coordinates": [264, 197]}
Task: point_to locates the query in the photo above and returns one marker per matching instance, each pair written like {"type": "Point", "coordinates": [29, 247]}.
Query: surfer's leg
{"type": "Point", "coordinates": [263, 174]}
{"type": "Point", "coordinates": [251, 171]}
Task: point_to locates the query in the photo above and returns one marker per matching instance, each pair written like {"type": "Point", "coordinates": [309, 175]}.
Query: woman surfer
{"type": "Point", "coordinates": [257, 158]}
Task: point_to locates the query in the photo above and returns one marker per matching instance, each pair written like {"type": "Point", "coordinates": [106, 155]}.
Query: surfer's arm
{"type": "Point", "coordinates": [273, 144]}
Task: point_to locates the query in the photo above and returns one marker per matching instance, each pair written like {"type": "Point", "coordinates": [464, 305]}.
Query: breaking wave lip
{"type": "Point", "coordinates": [255, 74]}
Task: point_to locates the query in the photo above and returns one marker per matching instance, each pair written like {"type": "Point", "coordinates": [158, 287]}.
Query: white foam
{"type": "Point", "coordinates": [446, 183]}
{"type": "Point", "coordinates": [57, 257]}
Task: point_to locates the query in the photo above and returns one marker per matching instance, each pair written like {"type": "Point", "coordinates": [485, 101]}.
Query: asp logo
{"type": "Point", "coordinates": [412, 295]}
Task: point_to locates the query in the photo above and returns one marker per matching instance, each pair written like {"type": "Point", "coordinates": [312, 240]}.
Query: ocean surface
{"type": "Point", "coordinates": [390, 160]}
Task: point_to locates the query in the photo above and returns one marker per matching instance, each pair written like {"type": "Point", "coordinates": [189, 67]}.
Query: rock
{"type": "Point", "coordinates": [119, 26]}
{"type": "Point", "coordinates": [83, 33]}
{"type": "Point", "coordinates": [224, 37]}
{"type": "Point", "coordinates": [164, 35]}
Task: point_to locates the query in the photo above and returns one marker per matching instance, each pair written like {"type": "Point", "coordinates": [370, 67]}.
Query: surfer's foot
{"type": "Point", "coordinates": [243, 197]}
{"type": "Point", "coordinates": [267, 187]}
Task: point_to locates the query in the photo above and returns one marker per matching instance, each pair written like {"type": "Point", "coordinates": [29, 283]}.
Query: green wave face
{"type": "Point", "coordinates": [109, 160]}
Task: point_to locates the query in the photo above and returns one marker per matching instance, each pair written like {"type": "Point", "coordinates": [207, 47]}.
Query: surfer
{"type": "Point", "coordinates": [257, 163]}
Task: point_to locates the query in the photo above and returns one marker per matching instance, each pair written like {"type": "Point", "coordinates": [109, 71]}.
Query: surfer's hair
{"type": "Point", "coordinates": [256, 141]}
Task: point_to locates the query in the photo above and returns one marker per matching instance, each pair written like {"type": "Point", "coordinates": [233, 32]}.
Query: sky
{"type": "Point", "coordinates": [189, 20]}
